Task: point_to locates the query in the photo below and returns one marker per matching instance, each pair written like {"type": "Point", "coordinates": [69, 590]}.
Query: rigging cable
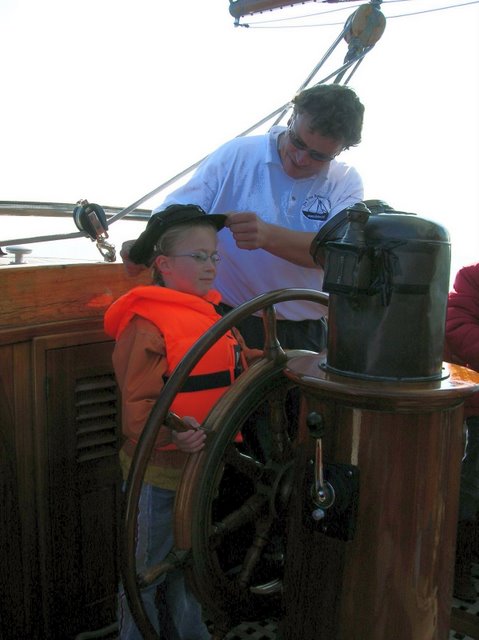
{"type": "Point", "coordinates": [280, 111]}
{"type": "Point", "coordinates": [257, 25]}
{"type": "Point", "coordinates": [452, 6]}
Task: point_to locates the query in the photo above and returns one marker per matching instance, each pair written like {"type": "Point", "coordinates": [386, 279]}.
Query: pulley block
{"type": "Point", "coordinates": [366, 26]}
{"type": "Point", "coordinates": [91, 219]}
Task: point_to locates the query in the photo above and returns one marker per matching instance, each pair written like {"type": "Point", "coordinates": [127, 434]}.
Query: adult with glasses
{"type": "Point", "coordinates": [278, 189]}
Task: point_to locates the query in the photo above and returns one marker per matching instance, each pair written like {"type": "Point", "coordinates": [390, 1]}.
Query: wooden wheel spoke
{"type": "Point", "coordinates": [281, 449]}
{"type": "Point", "coordinates": [250, 510]}
{"type": "Point", "coordinates": [175, 559]}
{"type": "Point", "coordinates": [272, 348]}
{"type": "Point", "coordinates": [255, 551]}
{"type": "Point", "coordinates": [245, 464]}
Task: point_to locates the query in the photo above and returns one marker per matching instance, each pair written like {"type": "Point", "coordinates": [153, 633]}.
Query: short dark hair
{"type": "Point", "coordinates": [335, 111]}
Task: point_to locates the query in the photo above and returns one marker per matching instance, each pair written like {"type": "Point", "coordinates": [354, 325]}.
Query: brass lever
{"type": "Point", "coordinates": [322, 492]}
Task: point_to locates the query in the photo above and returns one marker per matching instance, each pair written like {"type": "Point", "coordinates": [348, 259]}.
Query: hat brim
{"type": "Point", "coordinates": [218, 220]}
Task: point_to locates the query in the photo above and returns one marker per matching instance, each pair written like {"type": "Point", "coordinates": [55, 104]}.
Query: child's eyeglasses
{"type": "Point", "coordinates": [200, 256]}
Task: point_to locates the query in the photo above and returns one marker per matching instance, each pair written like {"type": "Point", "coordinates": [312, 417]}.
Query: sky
{"type": "Point", "coordinates": [108, 99]}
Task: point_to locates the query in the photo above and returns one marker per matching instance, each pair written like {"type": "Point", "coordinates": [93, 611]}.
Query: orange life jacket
{"type": "Point", "coordinates": [182, 318]}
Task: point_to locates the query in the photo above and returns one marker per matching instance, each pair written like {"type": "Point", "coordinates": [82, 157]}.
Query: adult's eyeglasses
{"type": "Point", "coordinates": [302, 146]}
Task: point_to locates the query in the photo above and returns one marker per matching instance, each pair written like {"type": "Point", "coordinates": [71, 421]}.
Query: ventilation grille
{"type": "Point", "coordinates": [96, 406]}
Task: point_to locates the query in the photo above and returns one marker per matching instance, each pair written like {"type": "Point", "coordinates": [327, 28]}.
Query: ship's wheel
{"type": "Point", "coordinates": [232, 501]}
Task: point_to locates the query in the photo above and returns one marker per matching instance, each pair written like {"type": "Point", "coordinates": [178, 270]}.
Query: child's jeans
{"type": "Point", "coordinates": [181, 617]}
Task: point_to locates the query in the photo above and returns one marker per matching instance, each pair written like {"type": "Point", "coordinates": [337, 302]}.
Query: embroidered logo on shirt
{"type": "Point", "coordinates": [316, 207]}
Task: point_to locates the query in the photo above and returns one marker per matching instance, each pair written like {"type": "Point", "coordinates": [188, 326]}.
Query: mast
{"type": "Point", "coordinates": [240, 8]}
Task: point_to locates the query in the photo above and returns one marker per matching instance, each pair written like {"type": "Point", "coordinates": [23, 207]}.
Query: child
{"type": "Point", "coordinates": [154, 326]}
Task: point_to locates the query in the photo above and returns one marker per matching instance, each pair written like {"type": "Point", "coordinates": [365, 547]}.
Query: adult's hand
{"type": "Point", "coordinates": [131, 268]}
{"type": "Point", "coordinates": [249, 231]}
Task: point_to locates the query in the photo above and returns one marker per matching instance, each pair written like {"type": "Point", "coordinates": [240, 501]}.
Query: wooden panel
{"type": "Point", "coordinates": [12, 618]}
{"type": "Point", "coordinates": [20, 599]}
{"type": "Point", "coordinates": [59, 438]}
{"type": "Point", "coordinates": [33, 295]}
{"type": "Point", "coordinates": [80, 476]}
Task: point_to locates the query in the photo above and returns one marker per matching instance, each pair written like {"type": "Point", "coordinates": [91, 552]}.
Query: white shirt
{"type": "Point", "coordinates": [246, 174]}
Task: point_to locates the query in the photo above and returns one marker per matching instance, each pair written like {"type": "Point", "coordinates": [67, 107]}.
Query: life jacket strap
{"type": "Point", "coordinates": [205, 381]}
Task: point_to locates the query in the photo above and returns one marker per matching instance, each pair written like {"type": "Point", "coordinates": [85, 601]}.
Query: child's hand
{"type": "Point", "coordinates": [190, 441]}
